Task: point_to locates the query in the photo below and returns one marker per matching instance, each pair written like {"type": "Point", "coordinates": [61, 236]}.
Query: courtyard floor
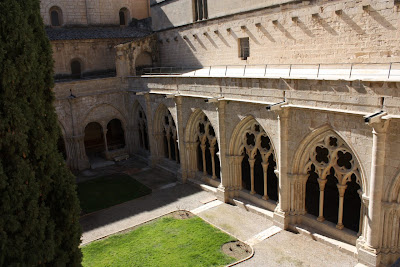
{"type": "Point", "coordinates": [272, 246]}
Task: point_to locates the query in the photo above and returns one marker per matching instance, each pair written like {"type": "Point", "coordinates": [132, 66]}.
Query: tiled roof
{"type": "Point", "coordinates": [79, 33]}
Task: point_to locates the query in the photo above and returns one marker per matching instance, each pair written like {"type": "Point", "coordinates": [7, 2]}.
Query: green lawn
{"type": "Point", "coordinates": [107, 191]}
{"type": "Point", "coordinates": [164, 242]}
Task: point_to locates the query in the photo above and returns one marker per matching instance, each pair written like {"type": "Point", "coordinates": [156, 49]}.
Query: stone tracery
{"type": "Point", "coordinates": [170, 138]}
{"type": "Point", "coordinates": [258, 163]}
{"type": "Point", "coordinates": [142, 129]}
{"type": "Point", "coordinates": [208, 160]}
{"type": "Point", "coordinates": [334, 175]}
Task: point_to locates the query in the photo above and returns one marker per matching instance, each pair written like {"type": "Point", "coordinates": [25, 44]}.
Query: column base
{"type": "Point", "coordinates": [369, 256]}
{"type": "Point", "coordinates": [222, 194]}
{"type": "Point", "coordinates": [281, 218]}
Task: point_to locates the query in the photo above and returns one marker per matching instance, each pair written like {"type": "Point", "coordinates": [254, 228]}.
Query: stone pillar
{"type": "Point", "coordinates": [152, 141]}
{"type": "Point", "coordinates": [191, 156]}
{"type": "Point", "coordinates": [282, 209]}
{"type": "Point", "coordinates": [342, 190]}
{"type": "Point", "coordinates": [203, 153]}
{"type": "Point", "coordinates": [131, 140]}
{"type": "Point", "coordinates": [251, 162]}
{"type": "Point", "coordinates": [322, 183]}
{"type": "Point", "coordinates": [169, 145]}
{"type": "Point", "coordinates": [212, 151]}
{"type": "Point", "coordinates": [265, 168]}
{"type": "Point", "coordinates": [222, 194]}
{"type": "Point", "coordinates": [369, 254]}
{"type": "Point", "coordinates": [181, 134]}
{"type": "Point", "coordinates": [78, 159]}
{"type": "Point", "coordinates": [235, 167]}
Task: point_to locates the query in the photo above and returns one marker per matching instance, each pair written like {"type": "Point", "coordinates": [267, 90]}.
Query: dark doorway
{"type": "Point", "coordinates": [115, 135]}
{"type": "Point", "coordinates": [94, 140]}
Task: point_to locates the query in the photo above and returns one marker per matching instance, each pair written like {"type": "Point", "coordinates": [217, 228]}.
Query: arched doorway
{"type": "Point", "coordinates": [143, 60]}
{"type": "Point", "coordinates": [124, 17]}
{"type": "Point", "coordinates": [115, 135]}
{"type": "Point", "coordinates": [333, 185]}
{"type": "Point", "coordinates": [76, 69]}
{"type": "Point", "coordinates": [94, 140]}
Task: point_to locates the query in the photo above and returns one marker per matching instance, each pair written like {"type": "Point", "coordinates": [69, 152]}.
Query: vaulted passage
{"type": "Point", "coordinates": [115, 135]}
{"type": "Point", "coordinates": [333, 185]}
{"type": "Point", "coordinates": [94, 139]}
{"type": "Point", "coordinates": [258, 163]}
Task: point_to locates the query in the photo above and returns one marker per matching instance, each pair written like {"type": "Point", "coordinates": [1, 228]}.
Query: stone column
{"type": "Point", "coordinates": [376, 184]}
{"type": "Point", "coordinates": [225, 179]}
{"type": "Point", "coordinates": [212, 151]}
{"type": "Point", "coordinates": [169, 144]}
{"type": "Point", "coordinates": [235, 167]}
{"type": "Point", "coordinates": [265, 168]}
{"type": "Point", "coordinates": [181, 134]}
{"type": "Point", "coordinates": [322, 183]}
{"type": "Point", "coordinates": [154, 157]}
{"type": "Point", "coordinates": [191, 162]}
{"type": "Point", "coordinates": [342, 190]}
{"type": "Point", "coordinates": [282, 162]}
{"type": "Point", "coordinates": [176, 149]}
{"type": "Point", "coordinates": [251, 162]}
{"type": "Point", "coordinates": [203, 154]}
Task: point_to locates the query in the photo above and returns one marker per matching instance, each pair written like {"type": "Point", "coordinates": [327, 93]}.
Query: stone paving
{"type": "Point", "coordinates": [272, 246]}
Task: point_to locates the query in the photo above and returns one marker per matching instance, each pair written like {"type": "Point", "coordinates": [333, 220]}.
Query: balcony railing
{"type": "Point", "coordinates": [372, 72]}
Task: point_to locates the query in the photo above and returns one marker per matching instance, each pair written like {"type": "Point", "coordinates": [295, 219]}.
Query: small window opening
{"type": "Point", "coordinates": [200, 10]}
{"type": "Point", "coordinates": [76, 69]}
{"type": "Point", "coordinates": [244, 48]}
{"type": "Point", "coordinates": [123, 17]}
{"type": "Point", "coordinates": [56, 16]}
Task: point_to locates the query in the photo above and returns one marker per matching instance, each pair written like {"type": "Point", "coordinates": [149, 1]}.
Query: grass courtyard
{"type": "Point", "coordinates": [107, 191]}
{"type": "Point", "coordinates": [168, 241]}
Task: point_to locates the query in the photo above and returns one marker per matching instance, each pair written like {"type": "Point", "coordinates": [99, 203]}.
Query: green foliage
{"type": "Point", "coordinates": [107, 191]}
{"type": "Point", "coordinates": [165, 242]}
{"type": "Point", "coordinates": [39, 222]}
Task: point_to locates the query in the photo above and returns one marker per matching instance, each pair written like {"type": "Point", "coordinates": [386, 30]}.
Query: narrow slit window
{"type": "Point", "coordinates": [200, 10]}
{"type": "Point", "coordinates": [56, 18]}
{"type": "Point", "coordinates": [244, 48]}
{"type": "Point", "coordinates": [122, 20]}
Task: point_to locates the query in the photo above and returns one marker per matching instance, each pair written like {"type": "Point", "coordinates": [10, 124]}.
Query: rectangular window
{"type": "Point", "coordinates": [244, 48]}
{"type": "Point", "coordinates": [200, 10]}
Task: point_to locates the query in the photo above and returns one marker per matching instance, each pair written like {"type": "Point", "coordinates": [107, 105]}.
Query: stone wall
{"type": "Point", "coordinates": [93, 12]}
{"type": "Point", "coordinates": [339, 31]}
{"type": "Point", "coordinates": [95, 55]}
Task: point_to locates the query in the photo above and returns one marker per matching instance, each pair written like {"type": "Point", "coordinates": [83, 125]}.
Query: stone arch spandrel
{"type": "Point", "coordinates": [103, 114]}
{"type": "Point", "coordinates": [302, 154]}
{"type": "Point", "coordinates": [393, 190]}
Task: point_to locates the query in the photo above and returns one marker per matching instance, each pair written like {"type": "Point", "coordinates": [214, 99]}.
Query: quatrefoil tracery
{"type": "Point", "coordinates": [331, 152]}
{"type": "Point", "coordinates": [255, 138]}
{"type": "Point", "coordinates": [205, 131]}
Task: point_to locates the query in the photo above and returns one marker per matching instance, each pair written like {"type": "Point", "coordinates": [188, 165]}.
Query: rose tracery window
{"type": "Point", "coordinates": [142, 130]}
{"type": "Point", "coordinates": [333, 185]}
{"type": "Point", "coordinates": [171, 149]}
{"type": "Point", "coordinates": [207, 149]}
{"type": "Point", "coordinates": [258, 163]}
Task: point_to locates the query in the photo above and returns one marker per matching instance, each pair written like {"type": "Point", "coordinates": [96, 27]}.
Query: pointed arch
{"type": "Point", "coordinates": [202, 146]}
{"type": "Point", "coordinates": [301, 163]}
{"type": "Point", "coordinates": [393, 190]}
{"type": "Point", "coordinates": [103, 113]}
{"type": "Point", "coordinates": [166, 134]}
{"type": "Point", "coordinates": [252, 146]}
{"type": "Point", "coordinates": [140, 126]}
{"type": "Point", "coordinates": [332, 182]}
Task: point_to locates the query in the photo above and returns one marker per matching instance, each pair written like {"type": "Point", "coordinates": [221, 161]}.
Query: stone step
{"type": "Point", "coordinates": [240, 202]}
{"type": "Point", "coordinates": [203, 186]}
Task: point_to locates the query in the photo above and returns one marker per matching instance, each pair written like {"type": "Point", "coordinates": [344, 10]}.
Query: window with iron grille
{"type": "Point", "coordinates": [244, 48]}
{"type": "Point", "coordinates": [200, 10]}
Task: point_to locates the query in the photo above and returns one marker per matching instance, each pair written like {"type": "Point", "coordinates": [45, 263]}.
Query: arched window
{"type": "Point", "coordinates": [124, 17]}
{"type": "Point", "coordinates": [171, 150]}
{"type": "Point", "coordinates": [207, 149]}
{"type": "Point", "coordinates": [76, 69]}
{"type": "Point", "coordinates": [333, 185]}
{"type": "Point", "coordinates": [56, 16]}
{"type": "Point", "coordinates": [258, 163]}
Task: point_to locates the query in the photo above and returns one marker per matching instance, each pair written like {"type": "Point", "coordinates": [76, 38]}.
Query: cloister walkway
{"type": "Point", "coordinates": [272, 246]}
